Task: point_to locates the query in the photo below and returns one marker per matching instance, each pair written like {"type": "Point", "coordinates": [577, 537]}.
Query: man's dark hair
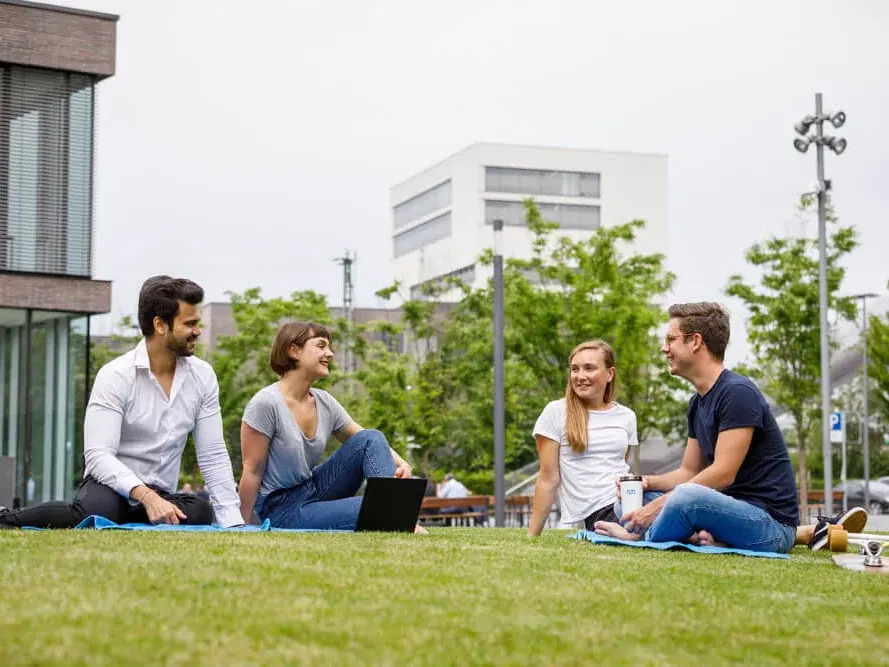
{"type": "Point", "coordinates": [160, 297]}
{"type": "Point", "coordinates": [707, 318]}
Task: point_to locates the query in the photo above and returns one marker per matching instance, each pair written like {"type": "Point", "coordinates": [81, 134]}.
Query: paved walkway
{"type": "Point", "coordinates": [878, 522]}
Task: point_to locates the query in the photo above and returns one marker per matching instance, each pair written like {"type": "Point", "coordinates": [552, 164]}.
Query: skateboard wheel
{"type": "Point", "coordinates": [838, 540]}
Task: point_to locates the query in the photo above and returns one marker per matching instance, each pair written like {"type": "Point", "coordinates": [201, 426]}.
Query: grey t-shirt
{"type": "Point", "coordinates": [292, 455]}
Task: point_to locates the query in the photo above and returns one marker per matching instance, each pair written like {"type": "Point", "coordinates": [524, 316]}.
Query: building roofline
{"type": "Point", "coordinates": [61, 9]}
{"type": "Point", "coordinates": [500, 144]}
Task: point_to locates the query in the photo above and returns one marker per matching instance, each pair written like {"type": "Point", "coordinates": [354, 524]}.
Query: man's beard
{"type": "Point", "coordinates": [179, 347]}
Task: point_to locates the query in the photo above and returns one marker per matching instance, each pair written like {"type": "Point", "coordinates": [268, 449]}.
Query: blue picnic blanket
{"type": "Point", "coordinates": [101, 523]}
{"type": "Point", "coordinates": [595, 538]}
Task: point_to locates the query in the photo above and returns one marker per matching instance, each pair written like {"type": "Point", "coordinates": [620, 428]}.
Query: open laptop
{"type": "Point", "coordinates": [391, 504]}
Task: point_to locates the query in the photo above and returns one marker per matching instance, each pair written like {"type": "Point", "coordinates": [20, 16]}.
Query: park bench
{"type": "Point", "coordinates": [517, 509]}
{"type": "Point", "coordinates": [432, 506]}
{"type": "Point", "coordinates": [816, 503]}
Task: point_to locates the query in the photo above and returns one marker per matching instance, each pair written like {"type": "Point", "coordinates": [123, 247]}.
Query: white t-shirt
{"type": "Point", "coordinates": [588, 478]}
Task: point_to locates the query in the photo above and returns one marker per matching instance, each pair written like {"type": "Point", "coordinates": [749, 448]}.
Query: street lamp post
{"type": "Point", "coordinates": [865, 391]}
{"type": "Point", "coordinates": [499, 385]}
{"type": "Point", "coordinates": [837, 145]}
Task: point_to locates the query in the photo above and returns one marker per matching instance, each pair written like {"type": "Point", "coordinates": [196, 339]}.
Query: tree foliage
{"type": "Point", "coordinates": [783, 325]}
{"type": "Point", "coordinates": [568, 292]}
{"type": "Point", "coordinates": [878, 367]}
{"type": "Point", "coordinates": [123, 338]}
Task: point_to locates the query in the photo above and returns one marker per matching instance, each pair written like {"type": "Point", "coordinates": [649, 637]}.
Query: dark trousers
{"type": "Point", "coordinates": [95, 498]}
{"type": "Point", "coordinates": [603, 514]}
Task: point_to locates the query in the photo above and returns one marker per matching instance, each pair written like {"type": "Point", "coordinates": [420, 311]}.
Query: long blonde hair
{"type": "Point", "coordinates": [577, 413]}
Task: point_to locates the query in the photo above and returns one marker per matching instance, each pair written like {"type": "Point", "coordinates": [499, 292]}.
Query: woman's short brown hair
{"type": "Point", "coordinates": [293, 333]}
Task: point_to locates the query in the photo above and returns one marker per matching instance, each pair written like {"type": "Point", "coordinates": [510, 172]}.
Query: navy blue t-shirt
{"type": "Point", "coordinates": [765, 478]}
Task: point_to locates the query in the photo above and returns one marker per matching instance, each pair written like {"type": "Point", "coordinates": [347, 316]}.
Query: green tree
{"type": "Point", "coordinates": [878, 367]}
{"type": "Point", "coordinates": [567, 292]}
{"type": "Point", "coordinates": [783, 324]}
{"type": "Point", "coordinates": [124, 337]}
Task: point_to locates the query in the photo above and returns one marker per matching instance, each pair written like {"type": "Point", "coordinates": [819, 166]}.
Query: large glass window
{"type": "Point", "coordinates": [46, 155]}
{"type": "Point", "coordinates": [42, 399]}
{"type": "Point", "coordinates": [425, 203]}
{"type": "Point", "coordinates": [539, 182]}
{"type": "Point", "coordinates": [422, 235]}
{"type": "Point", "coordinates": [569, 216]}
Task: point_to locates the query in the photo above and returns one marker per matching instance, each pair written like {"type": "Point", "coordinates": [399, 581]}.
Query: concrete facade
{"type": "Point", "coordinates": [60, 38]}
{"type": "Point", "coordinates": [441, 217]}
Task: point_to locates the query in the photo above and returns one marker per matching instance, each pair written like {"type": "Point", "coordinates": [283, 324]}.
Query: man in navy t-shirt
{"type": "Point", "coordinates": [735, 485]}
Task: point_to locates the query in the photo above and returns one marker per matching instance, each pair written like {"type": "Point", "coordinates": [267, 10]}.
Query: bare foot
{"type": "Point", "coordinates": [611, 529]}
{"type": "Point", "coordinates": [419, 530]}
{"type": "Point", "coordinates": [704, 539]}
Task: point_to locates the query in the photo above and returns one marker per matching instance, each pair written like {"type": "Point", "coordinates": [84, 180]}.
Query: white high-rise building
{"type": "Point", "coordinates": [441, 217]}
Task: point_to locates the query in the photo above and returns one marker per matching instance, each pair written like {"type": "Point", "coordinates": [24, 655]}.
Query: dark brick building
{"type": "Point", "coordinates": [51, 59]}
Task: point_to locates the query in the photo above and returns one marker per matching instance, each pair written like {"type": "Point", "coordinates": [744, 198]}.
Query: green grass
{"type": "Point", "coordinates": [456, 596]}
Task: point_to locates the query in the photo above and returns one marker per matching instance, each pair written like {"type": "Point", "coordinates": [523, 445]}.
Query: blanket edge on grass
{"type": "Point", "coordinates": [94, 522]}
{"type": "Point", "coordinates": [595, 538]}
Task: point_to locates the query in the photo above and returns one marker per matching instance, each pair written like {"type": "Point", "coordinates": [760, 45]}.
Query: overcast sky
{"type": "Point", "coordinates": [249, 143]}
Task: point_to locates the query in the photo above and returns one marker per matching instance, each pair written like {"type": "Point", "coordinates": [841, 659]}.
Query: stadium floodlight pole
{"type": "Point", "coordinates": [499, 385]}
{"type": "Point", "coordinates": [837, 145]}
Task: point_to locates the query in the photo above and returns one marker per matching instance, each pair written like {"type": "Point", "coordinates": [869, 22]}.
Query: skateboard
{"type": "Point", "coordinates": [839, 539]}
{"type": "Point", "coordinates": [870, 559]}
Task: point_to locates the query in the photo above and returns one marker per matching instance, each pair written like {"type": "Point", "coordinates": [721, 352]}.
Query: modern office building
{"type": "Point", "coordinates": [441, 218]}
{"type": "Point", "coordinates": [218, 321]}
{"type": "Point", "coordinates": [51, 59]}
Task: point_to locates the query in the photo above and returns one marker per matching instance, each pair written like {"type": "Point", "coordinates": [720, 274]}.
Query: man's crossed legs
{"type": "Point", "coordinates": [95, 498]}
{"type": "Point", "coordinates": [701, 515]}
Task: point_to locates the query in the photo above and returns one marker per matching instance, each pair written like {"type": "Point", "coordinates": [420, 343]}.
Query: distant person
{"type": "Point", "coordinates": [451, 488]}
{"type": "Point", "coordinates": [583, 442]}
{"type": "Point", "coordinates": [142, 407]}
{"type": "Point", "coordinates": [735, 485]}
{"type": "Point", "coordinates": [187, 488]}
{"type": "Point", "coordinates": [284, 431]}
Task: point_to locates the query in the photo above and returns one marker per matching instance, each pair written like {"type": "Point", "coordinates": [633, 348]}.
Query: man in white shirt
{"type": "Point", "coordinates": [451, 488]}
{"type": "Point", "coordinates": [142, 407]}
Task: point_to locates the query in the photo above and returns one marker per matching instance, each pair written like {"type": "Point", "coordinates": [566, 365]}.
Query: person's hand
{"type": "Point", "coordinates": [638, 521]}
{"type": "Point", "coordinates": [160, 510]}
{"type": "Point", "coordinates": [403, 470]}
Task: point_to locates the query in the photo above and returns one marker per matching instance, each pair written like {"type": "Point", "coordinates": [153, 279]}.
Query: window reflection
{"type": "Point", "coordinates": [46, 178]}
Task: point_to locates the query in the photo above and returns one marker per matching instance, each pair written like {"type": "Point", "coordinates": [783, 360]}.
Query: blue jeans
{"type": "Point", "coordinates": [739, 524]}
{"type": "Point", "coordinates": [327, 499]}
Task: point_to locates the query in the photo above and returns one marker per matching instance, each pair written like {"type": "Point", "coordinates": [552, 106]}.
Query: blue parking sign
{"type": "Point", "coordinates": [837, 427]}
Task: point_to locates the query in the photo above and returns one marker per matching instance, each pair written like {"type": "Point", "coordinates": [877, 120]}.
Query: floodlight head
{"type": "Point", "coordinates": [838, 119]}
{"type": "Point", "coordinates": [836, 144]}
{"type": "Point", "coordinates": [803, 126]}
{"type": "Point", "coordinates": [800, 144]}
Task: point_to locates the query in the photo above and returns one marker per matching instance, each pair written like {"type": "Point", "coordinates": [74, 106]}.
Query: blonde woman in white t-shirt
{"type": "Point", "coordinates": [583, 442]}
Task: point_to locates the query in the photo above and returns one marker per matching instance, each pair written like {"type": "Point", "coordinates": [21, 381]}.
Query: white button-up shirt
{"type": "Point", "coordinates": [134, 435]}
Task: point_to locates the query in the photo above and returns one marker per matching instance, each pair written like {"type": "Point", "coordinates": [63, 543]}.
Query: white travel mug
{"type": "Point", "coordinates": [630, 493]}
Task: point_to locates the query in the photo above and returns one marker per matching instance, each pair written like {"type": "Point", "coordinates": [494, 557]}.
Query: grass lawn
{"type": "Point", "coordinates": [456, 596]}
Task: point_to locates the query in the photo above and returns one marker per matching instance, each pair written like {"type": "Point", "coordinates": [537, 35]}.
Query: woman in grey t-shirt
{"type": "Point", "coordinates": [284, 430]}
